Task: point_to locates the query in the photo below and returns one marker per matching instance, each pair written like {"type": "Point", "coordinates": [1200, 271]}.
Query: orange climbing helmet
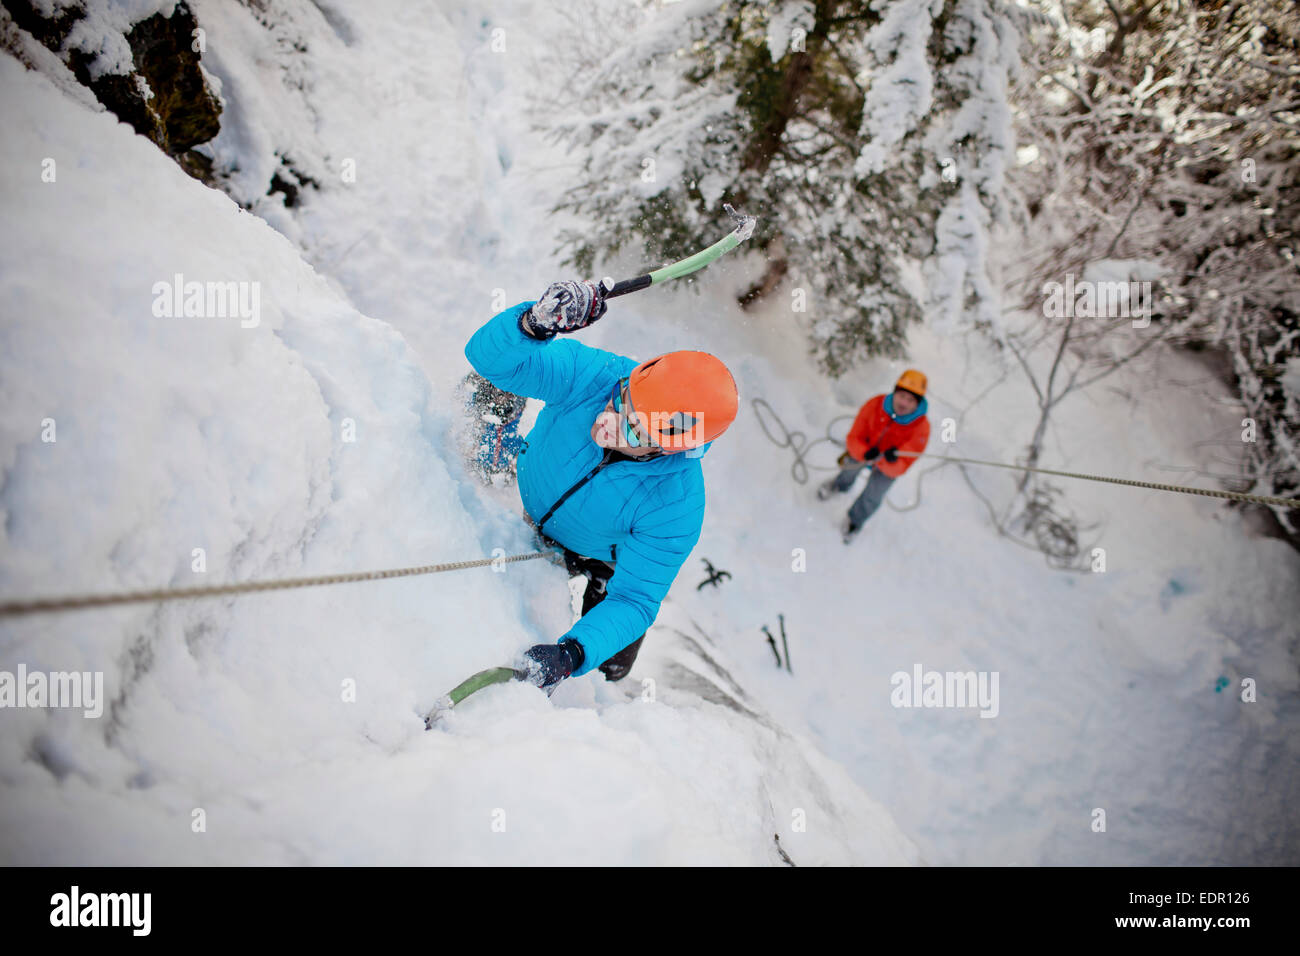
{"type": "Point", "coordinates": [913, 381]}
{"type": "Point", "coordinates": [685, 399]}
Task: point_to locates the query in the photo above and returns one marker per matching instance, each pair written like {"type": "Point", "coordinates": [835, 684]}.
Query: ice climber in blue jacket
{"type": "Point", "coordinates": [611, 470]}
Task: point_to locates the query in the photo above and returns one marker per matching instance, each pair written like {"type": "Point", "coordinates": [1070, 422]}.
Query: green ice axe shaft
{"type": "Point", "coordinates": [493, 675]}
{"type": "Point", "coordinates": [744, 229]}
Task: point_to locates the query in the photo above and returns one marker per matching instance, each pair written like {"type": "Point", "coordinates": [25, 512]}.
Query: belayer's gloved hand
{"type": "Point", "coordinates": [871, 455]}
{"type": "Point", "coordinates": [548, 664]}
{"type": "Point", "coordinates": [564, 307]}
{"type": "Point", "coordinates": [844, 459]}
{"type": "Point", "coordinates": [891, 455]}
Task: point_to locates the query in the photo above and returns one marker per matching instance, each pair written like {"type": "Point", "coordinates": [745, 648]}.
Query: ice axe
{"type": "Point", "coordinates": [683, 267]}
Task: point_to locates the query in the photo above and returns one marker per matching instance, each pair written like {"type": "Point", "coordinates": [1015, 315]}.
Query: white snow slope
{"type": "Point", "coordinates": [176, 434]}
{"type": "Point", "coordinates": [179, 433]}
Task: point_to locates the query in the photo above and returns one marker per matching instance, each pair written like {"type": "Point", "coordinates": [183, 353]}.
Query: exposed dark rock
{"type": "Point", "coordinates": [289, 181]}
{"type": "Point", "coordinates": [198, 166]}
{"type": "Point", "coordinates": [187, 110]}
{"type": "Point", "coordinates": [123, 94]}
{"type": "Point", "coordinates": [51, 32]}
{"type": "Point", "coordinates": [182, 111]}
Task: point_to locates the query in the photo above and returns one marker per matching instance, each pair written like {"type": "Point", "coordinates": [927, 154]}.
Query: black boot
{"type": "Point", "coordinates": [617, 667]}
{"type": "Point", "coordinates": [849, 530]}
{"type": "Point", "coordinates": [598, 574]}
{"type": "Point", "coordinates": [593, 595]}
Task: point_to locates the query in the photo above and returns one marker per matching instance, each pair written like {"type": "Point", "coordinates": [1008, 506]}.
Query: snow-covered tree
{"type": "Point", "coordinates": [1165, 132]}
{"type": "Point", "coordinates": [867, 136]}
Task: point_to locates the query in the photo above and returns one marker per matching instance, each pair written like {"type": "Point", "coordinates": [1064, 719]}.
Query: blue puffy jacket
{"type": "Point", "coordinates": [645, 516]}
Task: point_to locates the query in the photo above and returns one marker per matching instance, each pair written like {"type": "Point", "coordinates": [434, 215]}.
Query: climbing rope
{"type": "Point", "coordinates": [78, 602]}
{"type": "Point", "coordinates": [800, 450]}
{"type": "Point", "coordinates": [1184, 489]}
{"type": "Point", "coordinates": [796, 441]}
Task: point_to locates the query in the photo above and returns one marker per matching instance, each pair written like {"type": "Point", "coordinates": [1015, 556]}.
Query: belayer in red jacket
{"type": "Point", "coordinates": [885, 426]}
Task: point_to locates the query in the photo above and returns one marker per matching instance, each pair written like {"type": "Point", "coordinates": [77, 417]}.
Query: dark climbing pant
{"type": "Point", "coordinates": [871, 496]}
{"type": "Point", "coordinates": [598, 574]}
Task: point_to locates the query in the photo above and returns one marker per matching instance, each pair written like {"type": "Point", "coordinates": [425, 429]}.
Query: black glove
{"type": "Point", "coordinates": [872, 454]}
{"type": "Point", "coordinates": [891, 455]}
{"type": "Point", "coordinates": [564, 307]}
{"type": "Point", "coordinates": [548, 664]}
